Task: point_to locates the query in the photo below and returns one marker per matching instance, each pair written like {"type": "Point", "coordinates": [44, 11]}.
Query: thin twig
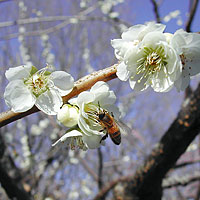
{"type": "Point", "coordinates": [156, 12]}
{"type": "Point", "coordinates": [180, 181]}
{"type": "Point", "coordinates": [66, 20]}
{"type": "Point", "coordinates": [186, 164]}
{"type": "Point", "coordinates": [100, 170]}
{"type": "Point", "coordinates": [191, 15]}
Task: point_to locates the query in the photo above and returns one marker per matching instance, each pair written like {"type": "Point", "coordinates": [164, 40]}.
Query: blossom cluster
{"type": "Point", "coordinates": [150, 57]}
{"type": "Point", "coordinates": [81, 114]}
{"type": "Point", "coordinates": [29, 86]}
{"type": "Point", "coordinates": [147, 56]}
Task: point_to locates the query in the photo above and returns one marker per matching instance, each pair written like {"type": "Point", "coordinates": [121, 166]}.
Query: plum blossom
{"type": "Point", "coordinates": [28, 86]}
{"type": "Point", "coordinates": [187, 46]}
{"type": "Point", "coordinates": [73, 139]}
{"type": "Point", "coordinates": [89, 102]}
{"type": "Point", "coordinates": [68, 115]}
{"type": "Point", "coordinates": [133, 36]}
{"type": "Point", "coordinates": [147, 58]}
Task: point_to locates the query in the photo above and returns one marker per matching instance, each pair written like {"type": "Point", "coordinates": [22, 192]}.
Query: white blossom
{"type": "Point", "coordinates": [68, 115]}
{"type": "Point", "coordinates": [89, 102]}
{"type": "Point", "coordinates": [187, 46]}
{"type": "Point", "coordinates": [28, 86]}
{"type": "Point", "coordinates": [147, 58]}
{"type": "Point", "coordinates": [73, 139]}
{"type": "Point", "coordinates": [89, 132]}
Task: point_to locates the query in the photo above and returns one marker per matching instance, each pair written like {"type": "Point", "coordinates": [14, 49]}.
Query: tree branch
{"type": "Point", "coordinates": [12, 187]}
{"type": "Point", "coordinates": [81, 85]}
{"type": "Point", "coordinates": [191, 15]}
{"type": "Point", "coordinates": [155, 7]}
{"type": "Point", "coordinates": [66, 20]}
{"type": "Point", "coordinates": [175, 181]}
{"type": "Point", "coordinates": [147, 181]}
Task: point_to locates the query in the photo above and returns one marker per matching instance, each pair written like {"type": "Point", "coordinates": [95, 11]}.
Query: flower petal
{"type": "Point", "coordinates": [85, 97]}
{"type": "Point", "coordinates": [63, 81]}
{"type": "Point", "coordinates": [138, 32]}
{"type": "Point", "coordinates": [92, 142]}
{"type": "Point", "coordinates": [68, 135]}
{"type": "Point", "coordinates": [99, 86]}
{"type": "Point", "coordinates": [183, 81]}
{"type": "Point", "coordinates": [19, 72]}
{"type": "Point", "coordinates": [121, 47]}
{"type": "Point", "coordinates": [122, 72]}
{"type": "Point", "coordinates": [18, 96]}
{"type": "Point", "coordinates": [104, 99]}
{"type": "Point", "coordinates": [161, 83]}
{"type": "Point", "coordinates": [137, 84]}
{"type": "Point", "coordinates": [49, 102]}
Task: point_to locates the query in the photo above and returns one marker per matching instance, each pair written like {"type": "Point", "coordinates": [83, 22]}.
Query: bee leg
{"type": "Point", "coordinates": [104, 137]}
{"type": "Point", "coordinates": [112, 114]}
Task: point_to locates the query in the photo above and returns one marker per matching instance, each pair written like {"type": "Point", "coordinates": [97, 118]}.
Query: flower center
{"type": "Point", "coordinates": [38, 82]}
{"type": "Point", "coordinates": [92, 110]}
{"type": "Point", "coordinates": [153, 61]}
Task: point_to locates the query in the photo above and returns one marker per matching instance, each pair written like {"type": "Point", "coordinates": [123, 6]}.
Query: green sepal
{"type": "Point", "coordinates": [33, 70]}
{"type": "Point", "coordinates": [47, 73]}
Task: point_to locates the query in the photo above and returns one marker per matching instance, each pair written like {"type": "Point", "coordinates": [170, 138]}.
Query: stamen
{"type": "Point", "coordinates": [152, 62]}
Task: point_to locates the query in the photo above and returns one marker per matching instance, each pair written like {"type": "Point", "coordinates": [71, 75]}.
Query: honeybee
{"type": "Point", "coordinates": [109, 124]}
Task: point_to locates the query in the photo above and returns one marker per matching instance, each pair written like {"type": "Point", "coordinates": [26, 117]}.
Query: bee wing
{"type": "Point", "coordinates": [124, 129]}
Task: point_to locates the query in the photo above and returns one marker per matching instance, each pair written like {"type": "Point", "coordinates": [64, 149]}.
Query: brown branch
{"type": "Point", "coordinates": [191, 15]}
{"type": "Point", "coordinates": [12, 187]}
{"type": "Point", "coordinates": [100, 168]}
{"type": "Point", "coordinates": [89, 170]}
{"type": "Point", "coordinates": [81, 85]}
{"type": "Point", "coordinates": [184, 164]}
{"type": "Point", "coordinates": [104, 191]}
{"type": "Point", "coordinates": [156, 12]}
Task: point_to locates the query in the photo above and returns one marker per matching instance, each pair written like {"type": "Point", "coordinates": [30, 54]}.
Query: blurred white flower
{"type": "Point", "coordinates": [68, 115]}
{"type": "Point", "coordinates": [28, 86]}
{"type": "Point", "coordinates": [187, 46]}
{"type": "Point", "coordinates": [147, 58]}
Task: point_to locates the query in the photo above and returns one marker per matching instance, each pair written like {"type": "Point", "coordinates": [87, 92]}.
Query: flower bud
{"type": "Point", "coordinates": [68, 115]}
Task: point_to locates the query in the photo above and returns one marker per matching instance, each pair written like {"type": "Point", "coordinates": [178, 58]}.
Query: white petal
{"type": "Point", "coordinates": [121, 47]}
{"type": "Point", "coordinates": [138, 85]}
{"type": "Point", "coordinates": [106, 98]}
{"type": "Point", "coordinates": [139, 31]}
{"type": "Point", "coordinates": [161, 83]}
{"type": "Point", "coordinates": [122, 72]}
{"type": "Point", "coordinates": [133, 32]}
{"type": "Point", "coordinates": [87, 130]}
{"type": "Point", "coordinates": [49, 102]}
{"type": "Point", "coordinates": [93, 141]}
{"type": "Point", "coordinates": [152, 39]}
{"type": "Point", "coordinates": [19, 72]}
{"type": "Point", "coordinates": [99, 86]}
{"type": "Point", "coordinates": [183, 82]}
{"type": "Point", "coordinates": [85, 97]}
{"type": "Point", "coordinates": [68, 115]}
{"type": "Point", "coordinates": [73, 101]}
{"type": "Point", "coordinates": [73, 133]}
{"type": "Point", "coordinates": [18, 96]}
{"type": "Point", "coordinates": [63, 81]}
